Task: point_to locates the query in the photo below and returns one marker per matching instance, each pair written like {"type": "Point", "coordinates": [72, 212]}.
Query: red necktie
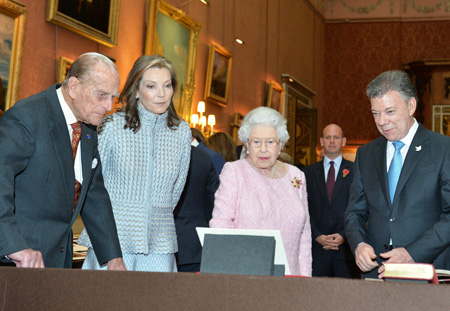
{"type": "Point", "coordinates": [76, 135]}
{"type": "Point", "coordinates": [330, 180]}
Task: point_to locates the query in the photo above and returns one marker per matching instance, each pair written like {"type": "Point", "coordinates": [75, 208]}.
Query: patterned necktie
{"type": "Point", "coordinates": [395, 168]}
{"type": "Point", "coordinates": [330, 180]}
{"type": "Point", "coordinates": [76, 135]}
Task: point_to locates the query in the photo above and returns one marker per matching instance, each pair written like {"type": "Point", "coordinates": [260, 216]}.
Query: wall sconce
{"type": "Point", "coordinates": [211, 123]}
{"type": "Point", "coordinates": [201, 120]}
{"type": "Point", "coordinates": [201, 107]}
{"type": "Point", "coordinates": [194, 119]}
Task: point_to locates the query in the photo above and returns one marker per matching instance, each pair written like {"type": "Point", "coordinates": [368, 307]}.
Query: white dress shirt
{"type": "Point", "coordinates": [70, 119]}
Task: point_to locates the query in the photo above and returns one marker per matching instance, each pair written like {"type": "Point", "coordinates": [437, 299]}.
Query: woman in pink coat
{"type": "Point", "coordinates": [259, 192]}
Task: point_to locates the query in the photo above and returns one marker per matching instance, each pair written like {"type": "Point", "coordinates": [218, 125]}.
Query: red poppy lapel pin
{"type": "Point", "coordinates": [345, 172]}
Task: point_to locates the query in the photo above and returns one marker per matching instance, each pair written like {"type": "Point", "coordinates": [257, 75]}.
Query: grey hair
{"type": "Point", "coordinates": [85, 63]}
{"type": "Point", "coordinates": [392, 80]}
{"type": "Point", "coordinates": [263, 116]}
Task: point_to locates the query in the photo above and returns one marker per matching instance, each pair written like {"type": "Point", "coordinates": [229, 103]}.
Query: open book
{"type": "Point", "coordinates": [443, 275]}
{"type": "Point", "coordinates": [410, 272]}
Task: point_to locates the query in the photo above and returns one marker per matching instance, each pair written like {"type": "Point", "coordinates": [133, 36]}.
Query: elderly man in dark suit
{"type": "Point", "coordinates": [328, 185]}
{"type": "Point", "coordinates": [194, 209]}
{"type": "Point", "coordinates": [50, 170]}
{"type": "Point", "coordinates": [399, 207]}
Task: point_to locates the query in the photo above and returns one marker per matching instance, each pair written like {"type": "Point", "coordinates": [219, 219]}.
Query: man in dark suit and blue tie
{"type": "Point", "coordinates": [399, 207]}
{"type": "Point", "coordinates": [328, 185]}
{"type": "Point", "coordinates": [50, 170]}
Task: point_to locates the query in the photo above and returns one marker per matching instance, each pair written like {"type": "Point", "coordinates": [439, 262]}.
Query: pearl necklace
{"type": "Point", "coordinates": [274, 169]}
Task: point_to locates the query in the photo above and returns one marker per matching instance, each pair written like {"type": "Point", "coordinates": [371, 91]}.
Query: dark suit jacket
{"type": "Point", "coordinates": [328, 217]}
{"type": "Point", "coordinates": [37, 183]}
{"type": "Point", "coordinates": [216, 158]}
{"type": "Point", "coordinates": [195, 206]}
{"type": "Point", "coordinates": [419, 218]}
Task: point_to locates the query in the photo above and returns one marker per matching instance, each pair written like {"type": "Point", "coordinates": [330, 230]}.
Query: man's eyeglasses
{"type": "Point", "coordinates": [257, 143]}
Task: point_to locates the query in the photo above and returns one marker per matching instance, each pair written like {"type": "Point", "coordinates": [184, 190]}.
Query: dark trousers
{"type": "Point", "coordinates": [195, 267]}
{"type": "Point", "coordinates": [329, 265]}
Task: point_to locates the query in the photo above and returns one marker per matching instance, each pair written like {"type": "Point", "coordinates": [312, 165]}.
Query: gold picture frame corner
{"type": "Point", "coordinates": [275, 87]}
{"type": "Point", "coordinates": [108, 38]}
{"type": "Point", "coordinates": [63, 66]}
{"type": "Point", "coordinates": [18, 12]}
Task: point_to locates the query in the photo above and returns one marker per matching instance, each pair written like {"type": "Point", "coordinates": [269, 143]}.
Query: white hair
{"type": "Point", "coordinates": [263, 116]}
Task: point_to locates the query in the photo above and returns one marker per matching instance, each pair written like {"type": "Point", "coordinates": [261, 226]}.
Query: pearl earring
{"type": "Point", "coordinates": [248, 152]}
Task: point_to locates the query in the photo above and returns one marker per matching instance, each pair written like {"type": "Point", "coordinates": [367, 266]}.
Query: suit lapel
{"type": "Point", "coordinates": [320, 177]}
{"type": "Point", "coordinates": [412, 158]}
{"type": "Point", "coordinates": [339, 179]}
{"type": "Point", "coordinates": [61, 143]}
{"type": "Point", "coordinates": [380, 163]}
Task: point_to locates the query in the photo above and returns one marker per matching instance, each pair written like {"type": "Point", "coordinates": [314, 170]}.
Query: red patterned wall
{"type": "Point", "coordinates": [355, 53]}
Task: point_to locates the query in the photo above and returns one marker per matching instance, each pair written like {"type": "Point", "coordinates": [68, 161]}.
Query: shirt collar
{"type": "Point", "coordinates": [68, 114]}
{"type": "Point", "coordinates": [337, 161]}
{"type": "Point", "coordinates": [407, 140]}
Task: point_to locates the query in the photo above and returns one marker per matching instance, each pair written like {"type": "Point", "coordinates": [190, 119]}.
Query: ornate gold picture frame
{"type": "Point", "coordinates": [175, 36]}
{"type": "Point", "coordinates": [95, 20]}
{"type": "Point", "coordinates": [275, 96]}
{"type": "Point", "coordinates": [235, 126]}
{"type": "Point", "coordinates": [63, 67]}
{"type": "Point", "coordinates": [218, 74]}
{"type": "Point", "coordinates": [13, 17]}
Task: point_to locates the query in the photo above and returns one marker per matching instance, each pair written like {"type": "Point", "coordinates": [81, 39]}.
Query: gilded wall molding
{"type": "Point", "coordinates": [362, 9]}
{"type": "Point", "coordinates": [426, 9]}
{"type": "Point", "coordinates": [383, 10]}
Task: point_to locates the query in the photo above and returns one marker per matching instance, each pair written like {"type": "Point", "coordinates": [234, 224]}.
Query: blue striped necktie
{"type": "Point", "coordinates": [395, 168]}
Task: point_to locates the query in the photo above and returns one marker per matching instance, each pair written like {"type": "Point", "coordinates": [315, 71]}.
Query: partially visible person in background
{"type": "Point", "coordinates": [145, 148]}
{"type": "Point", "coordinates": [200, 142]}
{"type": "Point", "coordinates": [259, 192]}
{"type": "Point", "coordinates": [194, 209]}
{"type": "Point", "coordinates": [223, 144]}
{"type": "Point", "coordinates": [285, 158]}
{"type": "Point", "coordinates": [241, 152]}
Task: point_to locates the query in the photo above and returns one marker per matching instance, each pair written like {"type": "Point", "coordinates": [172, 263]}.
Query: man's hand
{"type": "Point", "coordinates": [331, 241]}
{"type": "Point", "coordinates": [365, 256]}
{"type": "Point", "coordinates": [396, 255]}
{"type": "Point", "coordinates": [27, 258]}
{"type": "Point", "coordinates": [321, 239]}
{"type": "Point", "coordinates": [334, 240]}
{"type": "Point", "coordinates": [116, 264]}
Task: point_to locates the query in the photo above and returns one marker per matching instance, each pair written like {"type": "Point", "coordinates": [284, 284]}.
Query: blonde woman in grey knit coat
{"type": "Point", "coordinates": [145, 152]}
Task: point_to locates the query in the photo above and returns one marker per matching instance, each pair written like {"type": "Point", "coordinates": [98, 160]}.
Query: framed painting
{"type": "Point", "coordinates": [12, 31]}
{"type": "Point", "coordinates": [96, 20]}
{"type": "Point", "coordinates": [63, 67]}
{"type": "Point", "coordinates": [175, 36]}
{"type": "Point", "coordinates": [236, 126]}
{"type": "Point", "coordinates": [275, 96]}
{"type": "Point", "coordinates": [218, 75]}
